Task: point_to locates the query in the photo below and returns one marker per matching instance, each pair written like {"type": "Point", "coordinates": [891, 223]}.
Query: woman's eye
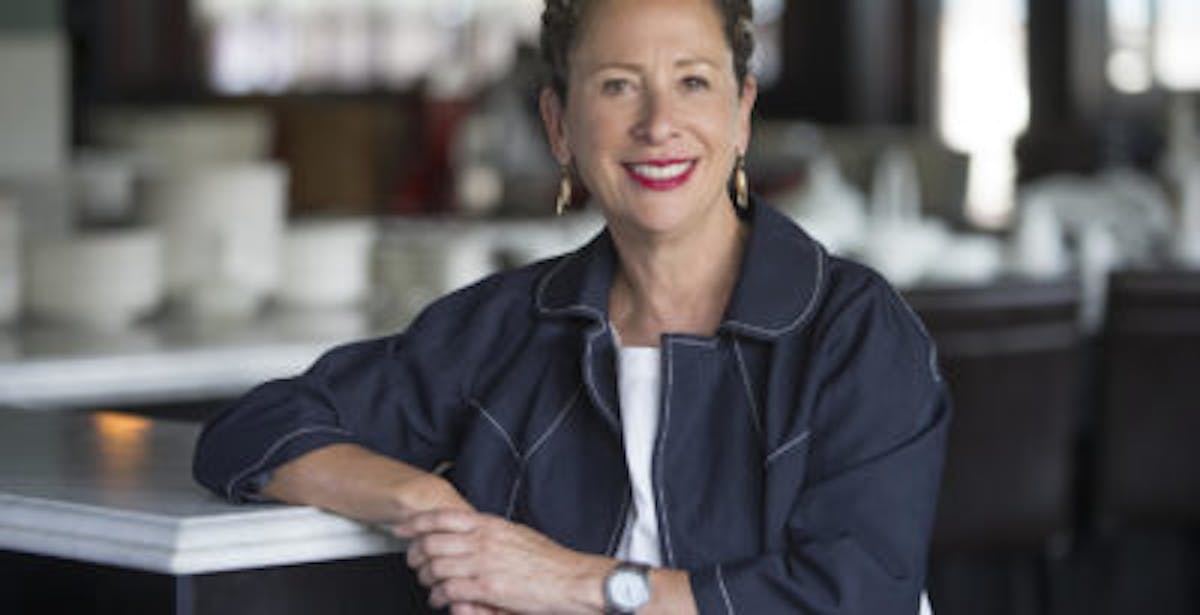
{"type": "Point", "coordinates": [695, 83]}
{"type": "Point", "coordinates": [614, 86]}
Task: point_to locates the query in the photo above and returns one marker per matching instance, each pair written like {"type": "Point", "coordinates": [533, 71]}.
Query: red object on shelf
{"type": "Point", "coordinates": [427, 186]}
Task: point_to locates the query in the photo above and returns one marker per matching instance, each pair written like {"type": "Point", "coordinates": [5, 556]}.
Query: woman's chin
{"type": "Point", "coordinates": [661, 217]}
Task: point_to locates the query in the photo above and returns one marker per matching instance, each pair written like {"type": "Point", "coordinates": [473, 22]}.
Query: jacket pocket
{"type": "Point", "coordinates": [785, 468]}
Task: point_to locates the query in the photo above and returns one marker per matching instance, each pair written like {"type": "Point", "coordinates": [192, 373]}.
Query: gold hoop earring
{"type": "Point", "coordinates": [741, 186]}
{"type": "Point", "coordinates": [564, 192]}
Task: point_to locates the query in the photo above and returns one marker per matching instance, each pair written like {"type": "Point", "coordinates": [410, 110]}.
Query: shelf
{"type": "Point", "coordinates": [46, 368]}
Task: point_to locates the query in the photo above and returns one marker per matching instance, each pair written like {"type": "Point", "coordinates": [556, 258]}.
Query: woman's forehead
{"type": "Point", "coordinates": [675, 31]}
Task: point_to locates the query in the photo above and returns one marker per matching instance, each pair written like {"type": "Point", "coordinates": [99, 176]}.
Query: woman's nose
{"type": "Point", "coordinates": [657, 121]}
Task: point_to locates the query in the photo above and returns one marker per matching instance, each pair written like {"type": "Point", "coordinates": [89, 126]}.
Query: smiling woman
{"type": "Point", "coordinates": [652, 120]}
{"type": "Point", "coordinates": [698, 411]}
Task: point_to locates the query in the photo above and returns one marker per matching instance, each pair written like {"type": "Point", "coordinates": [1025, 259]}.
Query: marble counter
{"type": "Point", "coordinates": [48, 367]}
{"type": "Point", "coordinates": [116, 489]}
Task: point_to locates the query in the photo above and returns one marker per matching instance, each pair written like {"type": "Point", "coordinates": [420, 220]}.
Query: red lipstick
{"type": "Point", "coordinates": [661, 175]}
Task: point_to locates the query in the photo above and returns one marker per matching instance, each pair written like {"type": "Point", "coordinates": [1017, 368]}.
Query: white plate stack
{"type": "Point", "coordinates": [326, 263]}
{"type": "Point", "coordinates": [1187, 240]}
{"type": "Point", "coordinates": [103, 184]}
{"type": "Point", "coordinates": [417, 261]}
{"type": "Point", "coordinates": [102, 280]}
{"type": "Point", "coordinates": [223, 226]}
{"type": "Point", "coordinates": [10, 261]}
{"type": "Point", "coordinates": [187, 135]}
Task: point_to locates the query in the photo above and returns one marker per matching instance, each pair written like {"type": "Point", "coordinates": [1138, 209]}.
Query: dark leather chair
{"type": "Point", "coordinates": [1149, 454]}
{"type": "Point", "coordinates": [1144, 555]}
{"type": "Point", "coordinates": [1011, 356]}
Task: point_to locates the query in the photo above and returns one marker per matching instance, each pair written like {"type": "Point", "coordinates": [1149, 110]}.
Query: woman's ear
{"type": "Point", "coordinates": [552, 109]}
{"type": "Point", "coordinates": [746, 100]}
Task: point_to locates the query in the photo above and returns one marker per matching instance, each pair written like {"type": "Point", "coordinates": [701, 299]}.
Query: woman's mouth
{"type": "Point", "coordinates": [661, 174]}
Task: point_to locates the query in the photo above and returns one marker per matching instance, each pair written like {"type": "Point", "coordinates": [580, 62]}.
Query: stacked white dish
{"type": "Point", "coordinates": [35, 72]}
{"type": "Point", "coordinates": [10, 261]}
{"type": "Point", "coordinates": [223, 226]}
{"type": "Point", "coordinates": [103, 185]}
{"type": "Point", "coordinates": [417, 261]}
{"type": "Point", "coordinates": [1187, 238]}
{"type": "Point", "coordinates": [43, 201]}
{"type": "Point", "coordinates": [326, 263]}
{"type": "Point", "coordinates": [188, 135]}
{"type": "Point", "coordinates": [100, 280]}
{"type": "Point", "coordinates": [523, 242]}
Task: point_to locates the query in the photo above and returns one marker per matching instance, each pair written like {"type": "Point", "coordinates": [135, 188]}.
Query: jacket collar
{"type": "Point", "coordinates": [782, 274]}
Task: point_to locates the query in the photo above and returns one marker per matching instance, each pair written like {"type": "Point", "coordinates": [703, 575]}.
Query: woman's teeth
{"type": "Point", "coordinates": [660, 173]}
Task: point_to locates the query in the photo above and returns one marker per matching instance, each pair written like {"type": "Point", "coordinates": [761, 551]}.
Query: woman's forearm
{"type": "Point", "coordinates": [358, 483]}
{"type": "Point", "coordinates": [355, 482]}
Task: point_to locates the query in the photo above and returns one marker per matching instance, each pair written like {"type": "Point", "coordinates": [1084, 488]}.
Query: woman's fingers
{"type": "Point", "coordinates": [485, 561]}
{"type": "Point", "coordinates": [437, 521]}
{"type": "Point", "coordinates": [469, 608]}
{"type": "Point", "coordinates": [439, 569]}
{"type": "Point", "coordinates": [422, 548]}
{"type": "Point", "coordinates": [456, 591]}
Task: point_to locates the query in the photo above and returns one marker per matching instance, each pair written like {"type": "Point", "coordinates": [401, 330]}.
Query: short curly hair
{"type": "Point", "coordinates": [562, 21]}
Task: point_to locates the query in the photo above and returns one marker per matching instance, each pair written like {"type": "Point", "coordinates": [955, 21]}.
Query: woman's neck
{"type": "Point", "coordinates": [678, 284]}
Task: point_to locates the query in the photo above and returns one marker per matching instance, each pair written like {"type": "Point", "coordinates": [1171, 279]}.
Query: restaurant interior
{"type": "Point", "coordinates": [200, 195]}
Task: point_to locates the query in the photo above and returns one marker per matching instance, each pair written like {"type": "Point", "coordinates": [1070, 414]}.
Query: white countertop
{"type": "Point", "coordinates": [54, 367]}
{"type": "Point", "coordinates": [117, 489]}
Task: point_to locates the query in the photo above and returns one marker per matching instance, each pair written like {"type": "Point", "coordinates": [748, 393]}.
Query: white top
{"type": "Point", "coordinates": [639, 386]}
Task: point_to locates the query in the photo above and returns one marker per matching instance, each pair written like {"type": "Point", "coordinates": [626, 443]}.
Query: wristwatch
{"type": "Point", "coordinates": [627, 588]}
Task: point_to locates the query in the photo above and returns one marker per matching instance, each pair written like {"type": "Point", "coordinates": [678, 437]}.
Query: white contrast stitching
{"type": "Point", "coordinates": [934, 372]}
{"type": "Point", "coordinates": [933, 363]}
{"type": "Point", "coordinates": [662, 438]}
{"type": "Point", "coordinates": [546, 282]}
{"type": "Point", "coordinates": [616, 535]}
{"type": "Point", "coordinates": [512, 495]}
{"type": "Point", "coordinates": [745, 373]}
{"type": "Point", "coordinates": [558, 420]}
{"type": "Point", "coordinates": [785, 447]}
{"type": "Point", "coordinates": [821, 257]}
{"type": "Point", "coordinates": [591, 382]}
{"type": "Point", "coordinates": [691, 341]}
{"type": "Point", "coordinates": [523, 461]}
{"type": "Point", "coordinates": [724, 591]}
{"type": "Point", "coordinates": [271, 451]}
{"type": "Point", "coordinates": [812, 301]}
{"type": "Point", "coordinates": [503, 433]}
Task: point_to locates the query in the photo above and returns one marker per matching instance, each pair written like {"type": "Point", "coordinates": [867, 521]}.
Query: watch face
{"type": "Point", "coordinates": [628, 589]}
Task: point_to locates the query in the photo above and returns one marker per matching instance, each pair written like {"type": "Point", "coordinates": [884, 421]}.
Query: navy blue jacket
{"type": "Point", "coordinates": [799, 449]}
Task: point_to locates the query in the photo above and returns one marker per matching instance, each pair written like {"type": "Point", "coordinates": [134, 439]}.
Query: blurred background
{"type": "Point", "coordinates": [197, 195]}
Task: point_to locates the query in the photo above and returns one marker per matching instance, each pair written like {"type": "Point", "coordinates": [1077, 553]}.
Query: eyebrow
{"type": "Point", "coordinates": [684, 63]}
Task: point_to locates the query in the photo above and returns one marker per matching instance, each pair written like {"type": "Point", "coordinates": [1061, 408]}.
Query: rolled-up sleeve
{"type": "Point", "coordinates": [399, 396]}
{"type": "Point", "coordinates": [856, 533]}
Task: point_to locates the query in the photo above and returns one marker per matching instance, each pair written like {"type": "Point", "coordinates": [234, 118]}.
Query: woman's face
{"type": "Point", "coordinates": [653, 119]}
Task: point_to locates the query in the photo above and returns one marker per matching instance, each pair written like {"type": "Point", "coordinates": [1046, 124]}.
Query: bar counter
{"type": "Point", "coordinates": [98, 513]}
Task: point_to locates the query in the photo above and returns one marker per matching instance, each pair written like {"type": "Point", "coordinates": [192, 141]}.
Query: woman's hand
{"type": "Point", "coordinates": [471, 560]}
{"type": "Point", "coordinates": [421, 492]}
{"type": "Point", "coordinates": [361, 484]}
